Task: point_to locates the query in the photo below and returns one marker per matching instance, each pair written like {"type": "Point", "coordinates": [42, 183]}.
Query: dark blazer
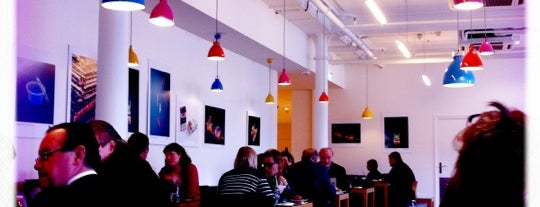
{"type": "Point", "coordinates": [131, 181]}
{"type": "Point", "coordinates": [85, 192]}
{"type": "Point", "coordinates": [311, 181]}
{"type": "Point", "coordinates": [401, 178]}
{"type": "Point", "coordinates": [337, 171]}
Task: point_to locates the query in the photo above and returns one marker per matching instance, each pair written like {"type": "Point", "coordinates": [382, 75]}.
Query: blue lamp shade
{"type": "Point", "coordinates": [123, 5]}
{"type": "Point", "coordinates": [216, 85]}
{"type": "Point", "coordinates": [454, 77]}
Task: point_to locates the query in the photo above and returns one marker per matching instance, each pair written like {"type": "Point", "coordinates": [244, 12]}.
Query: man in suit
{"type": "Point", "coordinates": [66, 160]}
{"type": "Point", "coordinates": [310, 180]}
{"type": "Point", "coordinates": [335, 171]}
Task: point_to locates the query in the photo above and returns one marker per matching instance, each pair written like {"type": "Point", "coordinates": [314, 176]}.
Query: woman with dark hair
{"type": "Point", "coordinates": [490, 168]}
{"type": "Point", "coordinates": [374, 173]}
{"type": "Point", "coordinates": [180, 172]}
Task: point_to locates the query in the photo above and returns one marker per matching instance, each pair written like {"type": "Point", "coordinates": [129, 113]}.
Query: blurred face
{"type": "Point", "coordinates": [172, 158]}
{"type": "Point", "coordinates": [55, 165]}
{"type": "Point", "coordinates": [106, 149]}
{"type": "Point", "coordinates": [391, 161]}
{"type": "Point", "coordinates": [271, 168]}
{"type": "Point", "coordinates": [326, 157]}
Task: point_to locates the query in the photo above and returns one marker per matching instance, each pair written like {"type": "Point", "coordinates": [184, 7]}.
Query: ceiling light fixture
{"type": "Point", "coordinates": [123, 5]}
{"type": "Point", "coordinates": [472, 60]}
{"type": "Point", "coordinates": [468, 4]}
{"type": "Point", "coordinates": [269, 98]}
{"type": "Point", "coordinates": [485, 47]}
{"type": "Point", "coordinates": [425, 78]}
{"type": "Point", "coordinates": [284, 79]}
{"type": "Point", "coordinates": [403, 49]}
{"type": "Point", "coordinates": [324, 96]}
{"type": "Point", "coordinates": [162, 15]}
{"type": "Point", "coordinates": [216, 85]}
{"type": "Point", "coordinates": [454, 77]}
{"type": "Point", "coordinates": [367, 114]}
{"type": "Point", "coordinates": [216, 51]}
{"type": "Point", "coordinates": [133, 60]}
{"type": "Point", "coordinates": [376, 11]}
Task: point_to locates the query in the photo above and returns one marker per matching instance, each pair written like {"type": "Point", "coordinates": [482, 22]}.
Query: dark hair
{"type": "Point", "coordinates": [274, 154]}
{"type": "Point", "coordinates": [138, 142]}
{"type": "Point", "coordinates": [493, 148]}
{"type": "Point", "coordinates": [185, 160]}
{"type": "Point", "coordinates": [373, 164]}
{"type": "Point", "coordinates": [105, 132]}
{"type": "Point", "coordinates": [396, 156]}
{"type": "Point", "coordinates": [287, 154]}
{"type": "Point", "coordinates": [80, 134]}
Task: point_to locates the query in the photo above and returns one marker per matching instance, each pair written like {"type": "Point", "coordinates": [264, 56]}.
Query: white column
{"type": "Point", "coordinates": [112, 72]}
{"type": "Point", "coordinates": [320, 110]}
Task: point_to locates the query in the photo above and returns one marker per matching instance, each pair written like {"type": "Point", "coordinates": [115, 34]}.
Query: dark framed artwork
{"type": "Point", "coordinates": [396, 132]}
{"type": "Point", "coordinates": [133, 101]}
{"type": "Point", "coordinates": [35, 91]}
{"type": "Point", "coordinates": [254, 130]}
{"type": "Point", "coordinates": [346, 133]}
{"type": "Point", "coordinates": [159, 103]}
{"type": "Point", "coordinates": [214, 132]}
{"type": "Point", "coordinates": [82, 85]}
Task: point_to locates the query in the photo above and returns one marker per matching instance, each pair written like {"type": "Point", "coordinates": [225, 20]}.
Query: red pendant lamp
{"type": "Point", "coordinates": [216, 51]}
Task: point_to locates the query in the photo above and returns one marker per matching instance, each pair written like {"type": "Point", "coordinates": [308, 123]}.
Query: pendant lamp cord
{"type": "Point", "coordinates": [269, 76]}
{"type": "Point", "coordinates": [367, 85]}
{"type": "Point", "coordinates": [485, 25]}
{"type": "Point", "coordinates": [424, 49]}
{"type": "Point", "coordinates": [217, 68]}
{"type": "Point", "coordinates": [324, 53]}
{"type": "Point", "coordinates": [216, 17]}
{"type": "Point", "coordinates": [459, 33]}
{"type": "Point", "coordinates": [283, 34]}
{"type": "Point", "coordinates": [130, 26]}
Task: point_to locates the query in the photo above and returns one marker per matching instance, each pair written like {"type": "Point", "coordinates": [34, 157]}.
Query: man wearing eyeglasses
{"type": "Point", "coordinates": [66, 159]}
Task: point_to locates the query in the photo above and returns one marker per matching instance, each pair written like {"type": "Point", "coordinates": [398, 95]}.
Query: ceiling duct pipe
{"type": "Point", "coordinates": [330, 15]}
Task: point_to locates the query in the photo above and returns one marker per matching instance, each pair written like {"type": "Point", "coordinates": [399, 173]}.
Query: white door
{"type": "Point", "coordinates": [446, 129]}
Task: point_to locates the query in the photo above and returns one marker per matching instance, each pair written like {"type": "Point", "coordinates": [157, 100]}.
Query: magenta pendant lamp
{"type": "Point", "coordinates": [123, 5]}
{"type": "Point", "coordinates": [486, 48]}
{"type": "Point", "coordinates": [472, 60]}
{"type": "Point", "coordinates": [468, 4]}
{"type": "Point", "coordinates": [162, 15]}
{"type": "Point", "coordinates": [216, 51]}
{"type": "Point", "coordinates": [284, 79]}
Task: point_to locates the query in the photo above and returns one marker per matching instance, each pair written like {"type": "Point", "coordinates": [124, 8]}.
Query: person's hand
{"type": "Point", "coordinates": [282, 180]}
{"type": "Point", "coordinates": [281, 188]}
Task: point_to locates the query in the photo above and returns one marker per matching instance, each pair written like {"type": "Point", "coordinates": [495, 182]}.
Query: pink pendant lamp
{"type": "Point", "coordinates": [485, 48]}
{"type": "Point", "coordinates": [468, 4]}
{"type": "Point", "coordinates": [162, 15]}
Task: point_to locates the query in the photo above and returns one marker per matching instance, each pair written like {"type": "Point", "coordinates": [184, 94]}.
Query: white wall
{"type": "Point", "coordinates": [399, 90]}
{"type": "Point", "coordinates": [46, 28]}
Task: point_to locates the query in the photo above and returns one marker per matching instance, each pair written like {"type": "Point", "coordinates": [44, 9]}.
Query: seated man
{"type": "Point", "coordinates": [66, 160]}
{"type": "Point", "coordinates": [310, 180]}
{"type": "Point", "coordinates": [335, 171]}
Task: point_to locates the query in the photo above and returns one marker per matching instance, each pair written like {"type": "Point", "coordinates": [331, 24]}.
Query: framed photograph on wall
{"type": "Point", "coordinates": [133, 101]}
{"type": "Point", "coordinates": [254, 131]}
{"type": "Point", "coordinates": [82, 82]}
{"type": "Point", "coordinates": [188, 113]}
{"type": "Point", "coordinates": [346, 133]}
{"type": "Point", "coordinates": [214, 132]}
{"type": "Point", "coordinates": [396, 132]}
{"type": "Point", "coordinates": [159, 107]}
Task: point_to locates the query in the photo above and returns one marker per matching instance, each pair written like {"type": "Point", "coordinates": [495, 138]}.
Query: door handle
{"type": "Point", "coordinates": [440, 167]}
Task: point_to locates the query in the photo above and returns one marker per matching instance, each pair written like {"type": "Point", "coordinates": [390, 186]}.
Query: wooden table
{"type": "Point", "coordinates": [382, 188]}
{"type": "Point", "coordinates": [367, 194]}
{"type": "Point", "coordinates": [341, 200]}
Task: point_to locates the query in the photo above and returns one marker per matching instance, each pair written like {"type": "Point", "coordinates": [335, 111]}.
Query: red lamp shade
{"type": "Point", "coordinates": [216, 52]}
{"type": "Point", "coordinates": [472, 60]}
{"type": "Point", "coordinates": [323, 98]}
{"type": "Point", "coordinates": [284, 79]}
{"type": "Point", "coordinates": [468, 4]}
{"type": "Point", "coordinates": [486, 48]}
{"type": "Point", "coordinates": [162, 15]}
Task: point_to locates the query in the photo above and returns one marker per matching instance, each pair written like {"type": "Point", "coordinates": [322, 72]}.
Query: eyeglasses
{"type": "Point", "coordinates": [46, 155]}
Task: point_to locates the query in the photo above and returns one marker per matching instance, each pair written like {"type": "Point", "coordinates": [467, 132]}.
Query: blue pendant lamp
{"type": "Point", "coordinates": [216, 85]}
{"type": "Point", "coordinates": [455, 77]}
{"type": "Point", "coordinates": [123, 5]}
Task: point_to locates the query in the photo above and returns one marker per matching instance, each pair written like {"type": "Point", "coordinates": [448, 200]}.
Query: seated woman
{"type": "Point", "coordinates": [244, 184]}
{"type": "Point", "coordinates": [180, 171]}
{"type": "Point", "coordinates": [374, 174]}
